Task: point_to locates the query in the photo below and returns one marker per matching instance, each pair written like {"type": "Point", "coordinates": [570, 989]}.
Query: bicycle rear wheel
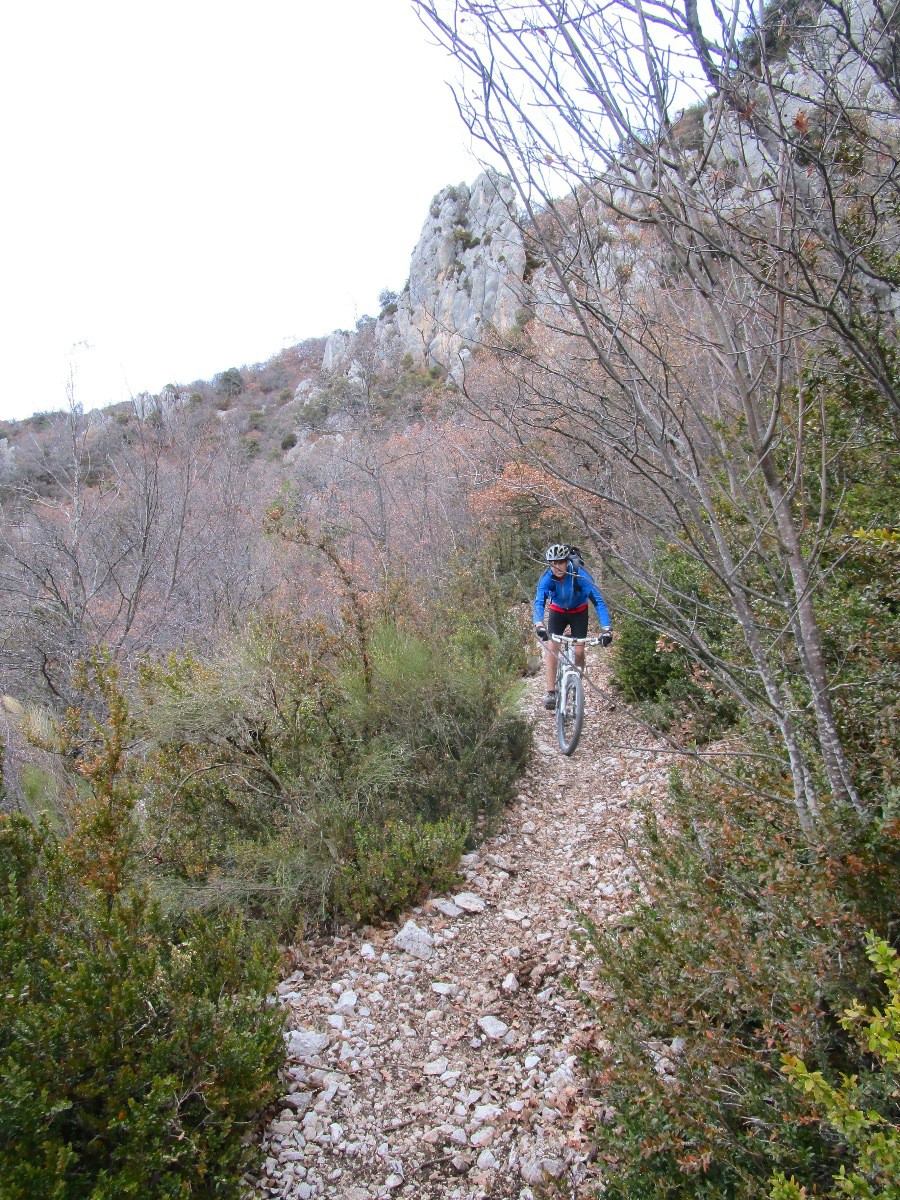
{"type": "Point", "coordinates": [570, 712]}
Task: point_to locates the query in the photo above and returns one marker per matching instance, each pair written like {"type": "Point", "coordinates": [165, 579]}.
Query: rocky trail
{"type": "Point", "coordinates": [440, 1058]}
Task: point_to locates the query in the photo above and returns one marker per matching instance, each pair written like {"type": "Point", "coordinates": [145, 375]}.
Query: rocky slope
{"type": "Point", "coordinates": [466, 273]}
{"type": "Point", "coordinates": [440, 1058]}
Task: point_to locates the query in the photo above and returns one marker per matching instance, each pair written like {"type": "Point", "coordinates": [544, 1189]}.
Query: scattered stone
{"type": "Point", "coordinates": [514, 914]}
{"type": "Point", "coordinates": [346, 1003]}
{"type": "Point", "coordinates": [529, 827]}
{"type": "Point", "coordinates": [436, 1067]}
{"type": "Point", "coordinates": [493, 1027]}
{"type": "Point", "coordinates": [393, 1181]}
{"type": "Point", "coordinates": [469, 902]}
{"type": "Point", "coordinates": [367, 951]}
{"type": "Point", "coordinates": [485, 1112]}
{"type": "Point", "coordinates": [415, 941]}
{"type": "Point", "coordinates": [298, 1101]}
{"type": "Point", "coordinates": [447, 907]}
{"type": "Point", "coordinates": [305, 1043]}
{"type": "Point", "coordinates": [450, 990]}
{"type": "Point", "coordinates": [486, 1161]}
{"type": "Point", "coordinates": [510, 983]}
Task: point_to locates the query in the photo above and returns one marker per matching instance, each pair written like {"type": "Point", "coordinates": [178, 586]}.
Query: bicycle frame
{"type": "Point", "coordinates": [562, 655]}
{"type": "Point", "coordinates": [569, 691]}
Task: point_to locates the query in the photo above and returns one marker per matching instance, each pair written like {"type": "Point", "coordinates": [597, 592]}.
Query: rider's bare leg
{"type": "Point", "coordinates": [579, 657]}
{"type": "Point", "coordinates": [550, 655]}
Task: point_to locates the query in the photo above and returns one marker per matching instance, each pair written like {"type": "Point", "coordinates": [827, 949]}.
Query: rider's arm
{"type": "Point", "coordinates": [598, 601]}
{"type": "Point", "coordinates": [540, 598]}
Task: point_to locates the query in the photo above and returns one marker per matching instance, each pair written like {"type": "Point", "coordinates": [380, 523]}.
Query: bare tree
{"type": "Point", "coordinates": [695, 261]}
{"type": "Point", "coordinates": [141, 537]}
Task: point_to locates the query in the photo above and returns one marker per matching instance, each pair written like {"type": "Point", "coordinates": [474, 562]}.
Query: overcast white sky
{"type": "Point", "coordinates": [191, 185]}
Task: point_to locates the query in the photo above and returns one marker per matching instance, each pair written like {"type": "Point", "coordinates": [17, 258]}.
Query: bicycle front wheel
{"type": "Point", "coordinates": [570, 712]}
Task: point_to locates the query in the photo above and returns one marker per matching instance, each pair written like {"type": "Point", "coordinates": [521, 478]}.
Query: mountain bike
{"type": "Point", "coordinates": [569, 692]}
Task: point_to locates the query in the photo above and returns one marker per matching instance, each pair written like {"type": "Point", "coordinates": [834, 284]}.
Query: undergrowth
{"type": "Point", "coordinates": [185, 820]}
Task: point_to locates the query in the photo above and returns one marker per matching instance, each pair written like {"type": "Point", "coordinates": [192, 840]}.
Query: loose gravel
{"type": "Point", "coordinates": [440, 1058]}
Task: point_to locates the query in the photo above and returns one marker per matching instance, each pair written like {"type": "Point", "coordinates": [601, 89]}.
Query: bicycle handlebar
{"type": "Point", "coordinates": [571, 641]}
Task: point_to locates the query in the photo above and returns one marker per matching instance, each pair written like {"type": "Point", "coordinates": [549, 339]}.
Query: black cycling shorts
{"type": "Point", "coordinates": [558, 623]}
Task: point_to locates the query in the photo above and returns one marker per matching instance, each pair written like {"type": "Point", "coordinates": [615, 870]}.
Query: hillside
{"type": "Point", "coordinates": [267, 661]}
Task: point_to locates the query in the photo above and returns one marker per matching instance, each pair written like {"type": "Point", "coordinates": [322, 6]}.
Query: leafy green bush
{"type": "Point", "coordinates": [135, 1051]}
{"type": "Point", "coordinates": [229, 383]}
{"type": "Point", "coordinates": [390, 867]}
{"type": "Point", "coordinates": [849, 1109]}
{"type": "Point", "coordinates": [305, 775]}
{"type": "Point", "coordinates": [655, 670]}
{"type": "Point", "coordinates": [742, 939]}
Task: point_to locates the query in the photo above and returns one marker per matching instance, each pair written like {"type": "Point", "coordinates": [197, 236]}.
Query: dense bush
{"type": "Point", "coordinates": [309, 780]}
{"type": "Point", "coordinates": [229, 383]}
{"type": "Point", "coordinates": [651, 665]}
{"type": "Point", "coordinates": [852, 1108]}
{"type": "Point", "coordinates": [135, 1050]}
{"type": "Point", "coordinates": [743, 942]}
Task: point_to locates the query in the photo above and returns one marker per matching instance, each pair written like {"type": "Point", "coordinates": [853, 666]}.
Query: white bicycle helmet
{"type": "Point", "coordinates": [557, 553]}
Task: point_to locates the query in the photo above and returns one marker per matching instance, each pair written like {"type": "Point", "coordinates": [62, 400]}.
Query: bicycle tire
{"type": "Point", "coordinates": [570, 713]}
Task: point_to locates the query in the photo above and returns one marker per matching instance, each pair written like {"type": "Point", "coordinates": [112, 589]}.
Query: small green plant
{"type": "Point", "coordinates": [464, 238]}
{"type": "Point", "coordinates": [387, 302]}
{"type": "Point", "coordinates": [256, 421]}
{"type": "Point", "coordinates": [389, 867]}
{"type": "Point", "coordinates": [872, 1138]}
{"type": "Point", "coordinates": [289, 441]}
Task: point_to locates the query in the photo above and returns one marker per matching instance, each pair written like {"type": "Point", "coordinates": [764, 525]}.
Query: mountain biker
{"type": "Point", "coordinates": [565, 588]}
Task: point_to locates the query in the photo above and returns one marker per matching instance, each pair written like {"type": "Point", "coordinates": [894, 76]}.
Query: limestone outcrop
{"type": "Point", "coordinates": [466, 274]}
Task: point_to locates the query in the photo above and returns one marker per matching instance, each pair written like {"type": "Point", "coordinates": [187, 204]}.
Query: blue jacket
{"type": "Point", "coordinates": [572, 591]}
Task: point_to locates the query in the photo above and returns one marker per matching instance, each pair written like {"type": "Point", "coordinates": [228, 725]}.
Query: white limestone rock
{"type": "Point", "coordinates": [415, 941]}
{"type": "Point", "coordinates": [305, 1043]}
{"type": "Point", "coordinates": [493, 1027]}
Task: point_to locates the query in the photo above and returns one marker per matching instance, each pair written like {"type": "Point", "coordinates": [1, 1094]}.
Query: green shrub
{"type": "Point", "coordinates": [256, 421]}
{"type": "Point", "coordinates": [742, 939]}
{"type": "Point", "coordinates": [135, 1054]}
{"type": "Point", "coordinates": [654, 670]}
{"type": "Point", "coordinates": [229, 383]}
{"type": "Point", "coordinates": [289, 441]}
{"type": "Point", "coordinates": [388, 867]}
{"type": "Point", "coordinates": [851, 1109]}
{"type": "Point", "coordinates": [300, 762]}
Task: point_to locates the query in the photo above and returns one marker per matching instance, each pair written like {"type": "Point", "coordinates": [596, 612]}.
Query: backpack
{"type": "Point", "coordinates": [576, 558]}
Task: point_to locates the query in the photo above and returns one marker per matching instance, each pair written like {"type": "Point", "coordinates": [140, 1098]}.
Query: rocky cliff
{"type": "Point", "coordinates": [466, 274]}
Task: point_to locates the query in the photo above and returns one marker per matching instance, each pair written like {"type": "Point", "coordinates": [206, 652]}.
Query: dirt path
{"type": "Point", "coordinates": [450, 1069]}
